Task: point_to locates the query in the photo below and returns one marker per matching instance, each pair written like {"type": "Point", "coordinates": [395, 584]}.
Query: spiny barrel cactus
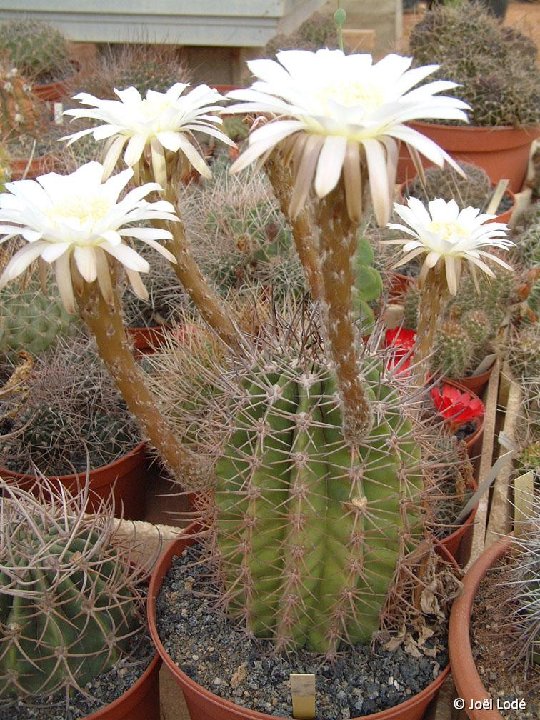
{"type": "Point", "coordinates": [31, 320]}
{"type": "Point", "coordinates": [68, 597]}
{"type": "Point", "coordinates": [38, 50]}
{"type": "Point", "coordinates": [309, 529]}
{"type": "Point", "coordinates": [524, 353]}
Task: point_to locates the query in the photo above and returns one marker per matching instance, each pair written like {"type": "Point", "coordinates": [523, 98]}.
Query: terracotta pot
{"type": "Point", "coordinates": [466, 678]}
{"type": "Point", "coordinates": [124, 479]}
{"type": "Point", "coordinates": [140, 702]}
{"type": "Point", "coordinates": [451, 543]}
{"type": "Point", "coordinates": [503, 152]}
{"type": "Point", "coordinates": [204, 705]}
{"type": "Point", "coordinates": [30, 169]}
{"type": "Point", "coordinates": [476, 383]}
{"type": "Point", "coordinates": [147, 340]}
{"type": "Point", "coordinates": [56, 91]}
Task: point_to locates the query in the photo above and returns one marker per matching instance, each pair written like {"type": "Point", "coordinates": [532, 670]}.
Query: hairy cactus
{"type": "Point", "coordinates": [20, 109]}
{"type": "Point", "coordinates": [472, 190]}
{"type": "Point", "coordinates": [527, 249]}
{"type": "Point", "coordinates": [67, 402]}
{"type": "Point", "coordinates": [69, 603]}
{"type": "Point", "coordinates": [145, 67]}
{"type": "Point", "coordinates": [31, 320]}
{"type": "Point", "coordinates": [524, 353]}
{"type": "Point", "coordinates": [496, 70]}
{"type": "Point", "coordinates": [38, 50]}
{"type": "Point", "coordinates": [453, 349]}
{"type": "Point", "coordinates": [524, 586]}
{"type": "Point", "coordinates": [310, 530]}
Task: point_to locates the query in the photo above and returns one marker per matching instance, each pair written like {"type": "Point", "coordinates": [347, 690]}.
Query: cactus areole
{"type": "Point", "coordinates": [309, 528]}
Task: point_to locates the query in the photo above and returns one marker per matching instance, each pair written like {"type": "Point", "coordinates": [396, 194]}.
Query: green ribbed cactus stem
{"type": "Point", "coordinates": [310, 529]}
{"type": "Point", "coordinates": [280, 177]}
{"type": "Point", "coordinates": [453, 350]}
{"type": "Point", "coordinates": [337, 247]}
{"type": "Point", "coordinates": [38, 50]}
{"type": "Point", "coordinates": [68, 598]}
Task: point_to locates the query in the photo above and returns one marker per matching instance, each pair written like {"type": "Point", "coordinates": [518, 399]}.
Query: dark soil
{"type": "Point", "coordinates": [498, 651]}
{"type": "Point", "coordinates": [219, 655]}
{"type": "Point", "coordinates": [101, 691]}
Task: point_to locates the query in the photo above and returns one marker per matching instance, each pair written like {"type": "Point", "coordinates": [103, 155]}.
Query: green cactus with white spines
{"type": "Point", "coordinates": [69, 602]}
{"type": "Point", "coordinates": [524, 353]}
{"type": "Point", "coordinates": [309, 529]}
{"type": "Point", "coordinates": [31, 320]}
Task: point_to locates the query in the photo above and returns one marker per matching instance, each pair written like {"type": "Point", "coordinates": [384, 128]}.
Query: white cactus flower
{"type": "Point", "coordinates": [79, 216]}
{"type": "Point", "coordinates": [331, 110]}
{"type": "Point", "coordinates": [444, 233]}
{"type": "Point", "coordinates": [153, 124]}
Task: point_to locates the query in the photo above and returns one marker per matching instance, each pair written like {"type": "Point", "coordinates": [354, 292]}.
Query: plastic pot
{"type": "Point", "coordinates": [140, 702]}
{"type": "Point", "coordinates": [124, 479]}
{"type": "Point", "coordinates": [30, 169]}
{"type": "Point", "coordinates": [56, 91]}
{"type": "Point", "coordinates": [204, 705]}
{"type": "Point", "coordinates": [466, 678]}
{"type": "Point", "coordinates": [503, 152]}
{"type": "Point", "coordinates": [476, 383]}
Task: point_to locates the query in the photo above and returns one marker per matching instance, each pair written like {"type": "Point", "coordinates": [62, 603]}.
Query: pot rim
{"type": "Point", "coordinates": [466, 678]}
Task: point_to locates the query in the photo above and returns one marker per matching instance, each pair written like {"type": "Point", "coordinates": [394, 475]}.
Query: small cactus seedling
{"type": "Point", "coordinates": [69, 602]}
{"type": "Point", "coordinates": [368, 284]}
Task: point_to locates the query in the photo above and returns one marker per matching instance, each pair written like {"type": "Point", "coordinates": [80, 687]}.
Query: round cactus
{"type": "Point", "coordinates": [453, 350]}
{"type": "Point", "coordinates": [309, 529]}
{"type": "Point", "coordinates": [69, 602]}
{"type": "Point", "coordinates": [31, 320]}
{"type": "Point", "coordinates": [38, 50]}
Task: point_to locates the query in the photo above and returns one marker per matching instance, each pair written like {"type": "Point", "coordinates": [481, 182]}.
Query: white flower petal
{"type": "Point", "coordinates": [85, 259]}
{"type": "Point", "coordinates": [330, 164]}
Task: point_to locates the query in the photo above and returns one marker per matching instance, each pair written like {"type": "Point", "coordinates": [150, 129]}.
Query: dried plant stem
{"type": "Point", "coordinates": [206, 300]}
{"type": "Point", "coordinates": [105, 323]}
{"type": "Point", "coordinates": [432, 298]}
{"type": "Point", "coordinates": [280, 177]}
{"type": "Point", "coordinates": [338, 245]}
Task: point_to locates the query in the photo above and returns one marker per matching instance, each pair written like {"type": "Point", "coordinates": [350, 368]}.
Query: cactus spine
{"type": "Point", "coordinates": [309, 528]}
{"type": "Point", "coordinates": [68, 598]}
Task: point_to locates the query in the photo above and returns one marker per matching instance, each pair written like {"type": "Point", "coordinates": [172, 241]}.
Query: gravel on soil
{"type": "Point", "coordinates": [218, 655]}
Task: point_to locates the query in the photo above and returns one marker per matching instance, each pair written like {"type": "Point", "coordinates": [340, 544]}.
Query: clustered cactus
{"type": "Point", "coordinates": [38, 50]}
{"type": "Point", "coordinates": [20, 109]}
{"type": "Point", "coordinates": [496, 70]}
{"type": "Point", "coordinates": [69, 602]}
{"type": "Point", "coordinates": [32, 320]}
